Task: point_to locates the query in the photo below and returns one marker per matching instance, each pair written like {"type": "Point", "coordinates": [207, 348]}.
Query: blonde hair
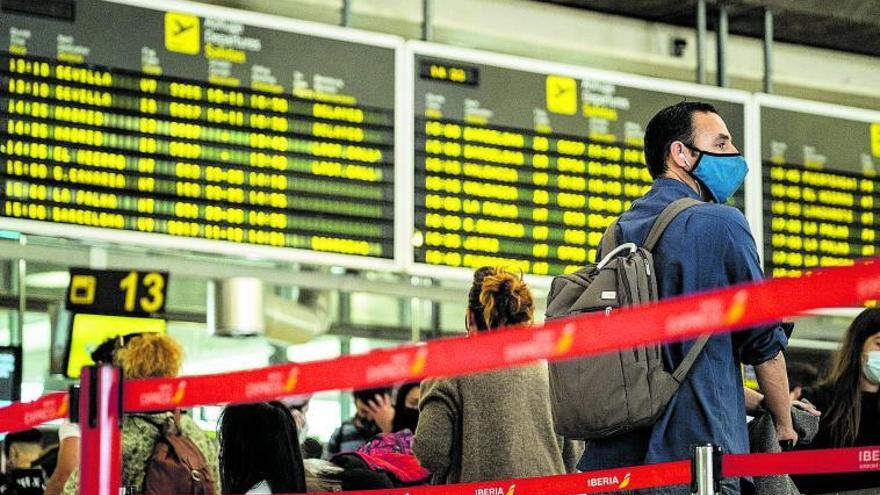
{"type": "Point", "coordinates": [499, 298]}
{"type": "Point", "coordinates": [149, 356]}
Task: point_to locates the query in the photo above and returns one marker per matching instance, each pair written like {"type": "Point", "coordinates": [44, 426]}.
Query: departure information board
{"type": "Point", "coordinates": [524, 164]}
{"type": "Point", "coordinates": [194, 125]}
{"type": "Point", "coordinates": [821, 188]}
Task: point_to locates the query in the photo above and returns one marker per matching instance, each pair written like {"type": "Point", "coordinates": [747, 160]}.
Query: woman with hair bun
{"type": "Point", "coordinates": [494, 425]}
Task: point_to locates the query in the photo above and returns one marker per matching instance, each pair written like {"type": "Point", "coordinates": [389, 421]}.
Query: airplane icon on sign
{"type": "Point", "coordinates": [182, 33]}
{"type": "Point", "coordinates": [181, 28]}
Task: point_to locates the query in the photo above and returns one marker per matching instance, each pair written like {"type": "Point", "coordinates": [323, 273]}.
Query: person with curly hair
{"type": "Point", "coordinates": [148, 356]}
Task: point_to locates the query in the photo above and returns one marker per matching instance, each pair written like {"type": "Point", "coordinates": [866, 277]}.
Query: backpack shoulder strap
{"type": "Point", "coordinates": [665, 218]}
{"type": "Point", "coordinates": [161, 425]}
{"type": "Point", "coordinates": [609, 240]}
{"type": "Point", "coordinates": [681, 372]}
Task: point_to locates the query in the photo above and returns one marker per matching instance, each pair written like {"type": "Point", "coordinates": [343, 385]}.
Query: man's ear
{"type": "Point", "coordinates": [680, 156]}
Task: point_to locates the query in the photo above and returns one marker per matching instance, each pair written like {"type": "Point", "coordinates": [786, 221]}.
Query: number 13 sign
{"type": "Point", "coordinates": [115, 292]}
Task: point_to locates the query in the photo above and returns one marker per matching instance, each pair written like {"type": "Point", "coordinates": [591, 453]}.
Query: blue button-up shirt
{"type": "Point", "coordinates": [707, 246]}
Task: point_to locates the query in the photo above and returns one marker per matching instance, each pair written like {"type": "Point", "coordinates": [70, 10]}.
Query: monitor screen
{"type": "Point", "coordinates": [87, 332]}
{"type": "Point", "coordinates": [10, 375]}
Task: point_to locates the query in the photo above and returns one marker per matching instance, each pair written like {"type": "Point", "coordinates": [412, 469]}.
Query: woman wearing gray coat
{"type": "Point", "coordinates": [494, 425]}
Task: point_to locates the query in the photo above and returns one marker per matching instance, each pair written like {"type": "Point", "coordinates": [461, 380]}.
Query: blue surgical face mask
{"type": "Point", "coordinates": [721, 173]}
{"type": "Point", "coordinates": [872, 367]}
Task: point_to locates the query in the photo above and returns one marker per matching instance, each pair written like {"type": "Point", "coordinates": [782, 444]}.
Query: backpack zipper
{"type": "Point", "coordinates": [652, 295]}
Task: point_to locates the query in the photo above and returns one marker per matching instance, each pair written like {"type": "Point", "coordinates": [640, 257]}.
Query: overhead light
{"type": "Point", "coordinates": [48, 280]}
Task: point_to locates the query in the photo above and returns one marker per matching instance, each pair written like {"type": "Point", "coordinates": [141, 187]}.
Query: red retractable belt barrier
{"type": "Point", "coordinates": [849, 460]}
{"type": "Point", "coordinates": [669, 320]}
{"type": "Point", "coordinates": [24, 415]}
{"type": "Point", "coordinates": [612, 480]}
{"type": "Point", "coordinates": [825, 461]}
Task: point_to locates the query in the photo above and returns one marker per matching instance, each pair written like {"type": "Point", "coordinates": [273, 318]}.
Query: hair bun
{"type": "Point", "coordinates": [504, 298]}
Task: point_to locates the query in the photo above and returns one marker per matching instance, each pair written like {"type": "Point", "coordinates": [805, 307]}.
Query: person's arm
{"type": "Point", "coordinates": [68, 461]}
{"type": "Point", "coordinates": [68, 458]}
{"type": "Point", "coordinates": [774, 383]}
{"type": "Point", "coordinates": [761, 347]}
{"type": "Point", "coordinates": [435, 433]}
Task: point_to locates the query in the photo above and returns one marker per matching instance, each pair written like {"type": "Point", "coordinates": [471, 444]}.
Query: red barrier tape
{"type": "Point", "coordinates": [670, 320]}
{"type": "Point", "coordinates": [612, 480]}
{"type": "Point", "coordinates": [24, 415]}
{"type": "Point", "coordinates": [673, 473]}
{"type": "Point", "coordinates": [825, 461]}
{"type": "Point", "coordinates": [656, 475]}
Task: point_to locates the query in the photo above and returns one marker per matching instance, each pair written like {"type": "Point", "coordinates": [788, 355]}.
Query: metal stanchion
{"type": "Point", "coordinates": [345, 20]}
{"type": "Point", "coordinates": [721, 46]}
{"type": "Point", "coordinates": [768, 50]}
{"type": "Point", "coordinates": [427, 20]}
{"type": "Point", "coordinates": [706, 470]}
{"type": "Point", "coordinates": [100, 410]}
{"type": "Point", "coordinates": [701, 41]}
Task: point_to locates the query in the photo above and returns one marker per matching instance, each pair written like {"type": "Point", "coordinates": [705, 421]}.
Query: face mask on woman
{"type": "Point", "coordinates": [871, 368]}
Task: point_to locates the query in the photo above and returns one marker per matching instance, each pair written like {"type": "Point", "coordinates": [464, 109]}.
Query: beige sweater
{"type": "Point", "coordinates": [488, 426]}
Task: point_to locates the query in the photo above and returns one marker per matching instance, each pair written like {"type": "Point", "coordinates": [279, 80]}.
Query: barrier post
{"type": "Point", "coordinates": [706, 470]}
{"type": "Point", "coordinates": [100, 409]}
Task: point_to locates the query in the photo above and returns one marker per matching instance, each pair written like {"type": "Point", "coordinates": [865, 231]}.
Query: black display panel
{"type": "Point", "coordinates": [10, 375]}
{"type": "Point", "coordinates": [525, 167]}
{"type": "Point", "coordinates": [199, 127]}
{"type": "Point", "coordinates": [821, 189]}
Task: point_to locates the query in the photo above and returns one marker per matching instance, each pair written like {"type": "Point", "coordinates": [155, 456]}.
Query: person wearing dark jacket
{"type": "Point", "coordinates": [848, 399]}
{"type": "Point", "coordinates": [495, 425]}
{"type": "Point", "coordinates": [374, 416]}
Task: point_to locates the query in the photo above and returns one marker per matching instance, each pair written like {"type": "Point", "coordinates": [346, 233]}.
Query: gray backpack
{"type": "Point", "coordinates": [610, 394]}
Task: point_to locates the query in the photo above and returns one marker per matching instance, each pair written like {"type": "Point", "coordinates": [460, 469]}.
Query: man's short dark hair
{"type": "Point", "coordinates": [367, 394]}
{"type": "Point", "coordinates": [673, 123]}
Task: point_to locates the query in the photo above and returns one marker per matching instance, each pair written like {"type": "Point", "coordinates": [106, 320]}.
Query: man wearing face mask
{"type": "Point", "coordinates": [690, 154]}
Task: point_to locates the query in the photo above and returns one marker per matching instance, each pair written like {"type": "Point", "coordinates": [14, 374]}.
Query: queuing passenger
{"type": "Point", "coordinates": [259, 450]}
{"type": "Point", "coordinates": [848, 397]}
{"type": "Point", "coordinates": [22, 448]}
{"type": "Point", "coordinates": [148, 356]}
{"type": "Point", "coordinates": [800, 376]}
{"type": "Point", "coordinates": [373, 416]}
{"type": "Point", "coordinates": [21, 477]}
{"type": "Point", "coordinates": [690, 154]}
{"type": "Point", "coordinates": [494, 425]}
{"type": "Point", "coordinates": [299, 408]}
{"type": "Point", "coordinates": [406, 407]}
